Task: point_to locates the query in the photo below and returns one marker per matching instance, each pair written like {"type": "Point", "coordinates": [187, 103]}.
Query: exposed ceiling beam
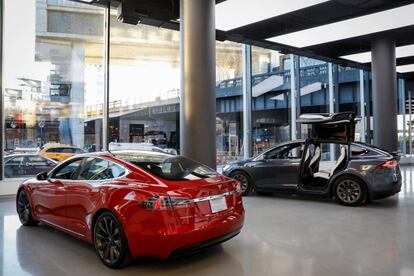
{"type": "Point", "coordinates": [315, 16]}
{"type": "Point", "coordinates": [402, 36]}
{"type": "Point", "coordinates": [325, 13]}
{"type": "Point", "coordinates": [405, 61]}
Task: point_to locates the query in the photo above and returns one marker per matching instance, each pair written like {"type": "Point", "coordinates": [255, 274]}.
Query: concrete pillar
{"type": "Point", "coordinates": [384, 93]}
{"type": "Point", "coordinates": [247, 101]}
{"type": "Point", "coordinates": [198, 76]}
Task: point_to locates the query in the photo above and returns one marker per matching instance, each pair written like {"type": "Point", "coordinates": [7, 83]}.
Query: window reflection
{"type": "Point", "coordinates": [51, 78]}
{"type": "Point", "coordinates": [229, 103]}
{"type": "Point", "coordinates": [270, 99]}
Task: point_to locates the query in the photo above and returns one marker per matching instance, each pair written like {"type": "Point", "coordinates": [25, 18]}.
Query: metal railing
{"type": "Point", "coordinates": [230, 87]}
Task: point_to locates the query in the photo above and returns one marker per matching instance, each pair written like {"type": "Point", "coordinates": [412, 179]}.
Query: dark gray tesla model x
{"type": "Point", "coordinates": [328, 163]}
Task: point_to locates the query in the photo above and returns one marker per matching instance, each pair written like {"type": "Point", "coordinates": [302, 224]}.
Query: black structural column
{"type": "Point", "coordinates": [198, 77]}
{"type": "Point", "coordinates": [384, 93]}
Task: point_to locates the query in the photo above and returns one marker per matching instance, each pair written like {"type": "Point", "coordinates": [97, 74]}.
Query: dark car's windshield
{"type": "Point", "coordinates": [168, 167]}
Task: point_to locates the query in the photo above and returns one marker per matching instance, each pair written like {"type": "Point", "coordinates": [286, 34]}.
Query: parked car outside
{"type": "Point", "coordinates": [59, 152]}
{"type": "Point", "coordinates": [26, 150]}
{"type": "Point", "coordinates": [23, 165]}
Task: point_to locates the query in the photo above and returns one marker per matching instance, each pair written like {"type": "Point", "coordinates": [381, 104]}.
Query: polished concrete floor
{"type": "Point", "coordinates": [283, 235]}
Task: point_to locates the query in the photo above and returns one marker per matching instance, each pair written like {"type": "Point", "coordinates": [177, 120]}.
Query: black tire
{"type": "Point", "coordinates": [244, 180]}
{"type": "Point", "coordinates": [350, 190]}
{"type": "Point", "coordinates": [263, 193]}
{"type": "Point", "coordinates": [110, 241]}
{"type": "Point", "coordinates": [24, 210]}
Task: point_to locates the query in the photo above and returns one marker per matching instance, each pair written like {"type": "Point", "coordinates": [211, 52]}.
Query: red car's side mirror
{"type": "Point", "coordinates": [41, 176]}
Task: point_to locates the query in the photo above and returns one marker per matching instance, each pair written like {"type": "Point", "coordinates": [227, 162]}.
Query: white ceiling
{"type": "Point", "coordinates": [232, 14]}
{"type": "Point", "coordinates": [363, 25]}
{"type": "Point", "coordinates": [405, 68]}
{"type": "Point", "coordinates": [403, 51]}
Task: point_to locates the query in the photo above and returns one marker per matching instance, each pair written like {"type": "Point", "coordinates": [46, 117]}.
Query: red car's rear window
{"type": "Point", "coordinates": [169, 167]}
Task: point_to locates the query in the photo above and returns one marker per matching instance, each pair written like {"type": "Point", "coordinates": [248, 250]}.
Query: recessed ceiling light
{"type": "Point", "coordinates": [363, 25]}
{"type": "Point", "coordinates": [405, 68]}
{"type": "Point", "coordinates": [400, 52]}
{"type": "Point", "coordinates": [232, 14]}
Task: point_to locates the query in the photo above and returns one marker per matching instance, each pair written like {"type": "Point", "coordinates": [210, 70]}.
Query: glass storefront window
{"type": "Point", "coordinates": [314, 88]}
{"type": "Point", "coordinates": [409, 122]}
{"type": "Point", "coordinates": [402, 119]}
{"type": "Point", "coordinates": [349, 94]}
{"type": "Point", "coordinates": [53, 73]}
{"type": "Point", "coordinates": [229, 102]}
{"type": "Point", "coordinates": [270, 99]}
{"type": "Point", "coordinates": [144, 82]}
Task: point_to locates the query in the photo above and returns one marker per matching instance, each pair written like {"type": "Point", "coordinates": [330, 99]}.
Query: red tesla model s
{"type": "Point", "coordinates": [132, 204]}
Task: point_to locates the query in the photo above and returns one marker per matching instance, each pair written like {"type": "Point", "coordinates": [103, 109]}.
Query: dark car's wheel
{"type": "Point", "coordinates": [244, 180]}
{"type": "Point", "coordinates": [110, 241]}
{"type": "Point", "coordinates": [23, 209]}
{"type": "Point", "coordinates": [350, 191]}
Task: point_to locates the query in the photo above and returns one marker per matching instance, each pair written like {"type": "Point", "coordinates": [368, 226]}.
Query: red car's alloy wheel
{"type": "Point", "coordinates": [110, 242]}
{"type": "Point", "coordinates": [23, 209]}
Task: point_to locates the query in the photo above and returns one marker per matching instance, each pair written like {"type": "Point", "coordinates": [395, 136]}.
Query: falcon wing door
{"type": "Point", "coordinates": [330, 128]}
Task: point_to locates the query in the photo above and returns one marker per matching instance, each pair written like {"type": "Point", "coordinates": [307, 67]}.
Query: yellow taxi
{"type": "Point", "coordinates": [59, 152]}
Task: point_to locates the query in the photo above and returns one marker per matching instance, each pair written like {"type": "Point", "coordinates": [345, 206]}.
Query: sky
{"type": "Point", "coordinates": [19, 44]}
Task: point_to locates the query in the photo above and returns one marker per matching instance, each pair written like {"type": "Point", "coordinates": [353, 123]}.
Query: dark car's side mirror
{"type": "Point", "coordinates": [41, 176]}
{"type": "Point", "coordinates": [266, 156]}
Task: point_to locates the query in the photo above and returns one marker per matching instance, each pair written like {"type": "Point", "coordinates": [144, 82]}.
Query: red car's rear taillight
{"type": "Point", "coordinates": [165, 203]}
{"type": "Point", "coordinates": [389, 164]}
{"type": "Point", "coordinates": [155, 203]}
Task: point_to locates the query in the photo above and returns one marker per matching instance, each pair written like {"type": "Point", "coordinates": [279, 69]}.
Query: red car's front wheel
{"type": "Point", "coordinates": [24, 210]}
{"type": "Point", "coordinates": [110, 241]}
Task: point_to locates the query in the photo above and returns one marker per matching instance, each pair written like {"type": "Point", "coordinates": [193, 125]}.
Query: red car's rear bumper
{"type": "Point", "coordinates": [167, 240]}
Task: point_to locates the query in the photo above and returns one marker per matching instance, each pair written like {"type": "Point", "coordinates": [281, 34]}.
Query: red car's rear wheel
{"type": "Point", "coordinates": [110, 241]}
